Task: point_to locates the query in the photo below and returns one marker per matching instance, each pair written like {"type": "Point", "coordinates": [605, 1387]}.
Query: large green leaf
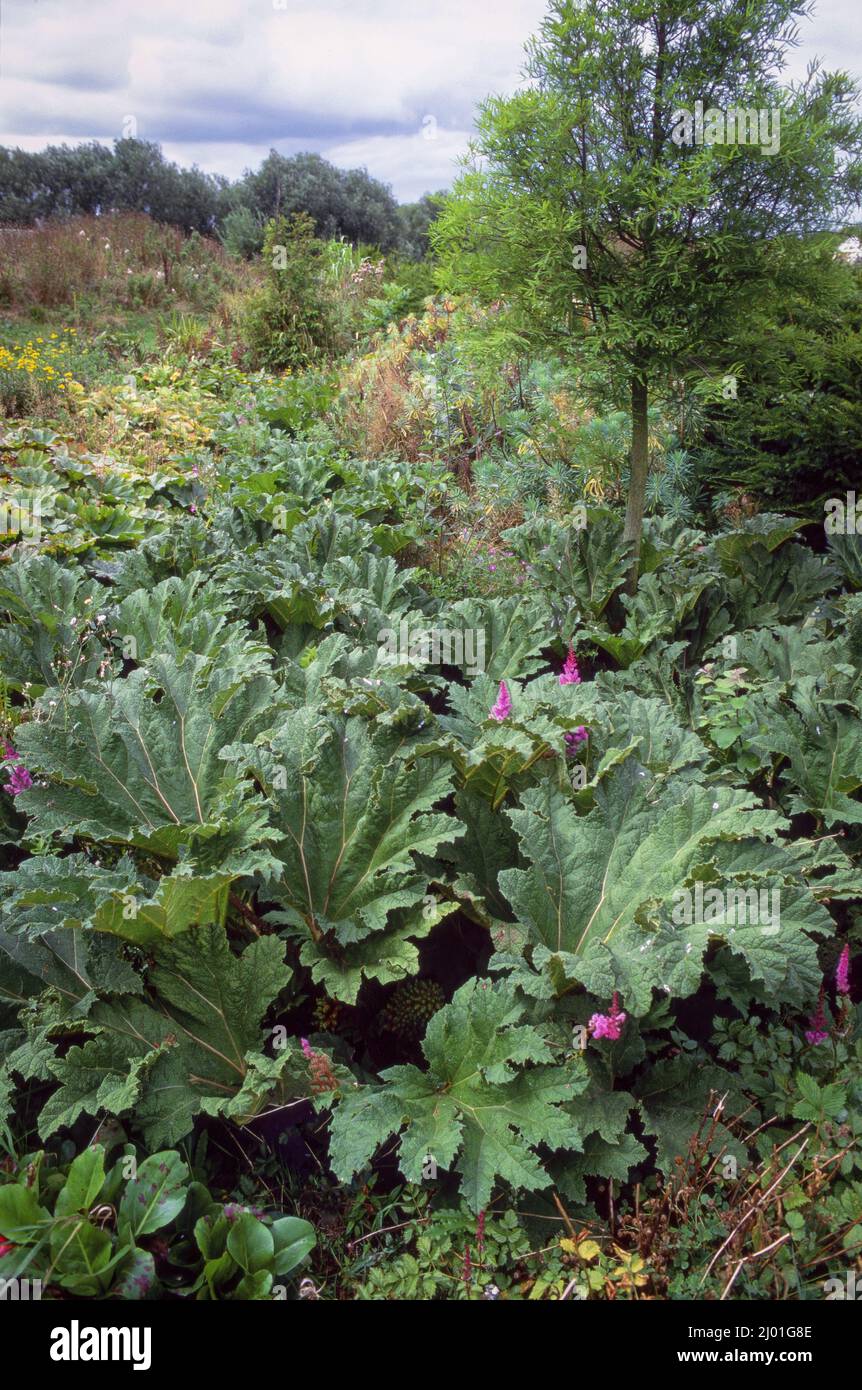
{"type": "Point", "coordinates": [351, 813]}
{"type": "Point", "coordinates": [476, 1102]}
{"type": "Point", "coordinates": [599, 897]}
{"type": "Point", "coordinates": [138, 762]}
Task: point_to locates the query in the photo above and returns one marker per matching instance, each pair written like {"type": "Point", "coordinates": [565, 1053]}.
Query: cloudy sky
{"type": "Point", "coordinates": [390, 85]}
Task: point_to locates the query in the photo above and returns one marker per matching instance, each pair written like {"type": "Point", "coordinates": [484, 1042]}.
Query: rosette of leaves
{"type": "Point", "coordinates": [190, 1040]}
{"type": "Point", "coordinates": [87, 1229]}
{"type": "Point", "coordinates": [597, 901]}
{"type": "Point", "coordinates": [585, 564]}
{"type": "Point", "coordinates": [53, 637]}
{"type": "Point", "coordinates": [351, 808]}
{"type": "Point", "coordinates": [488, 1099]}
{"type": "Point", "coordinates": [411, 1007]}
{"type": "Point", "coordinates": [136, 762]}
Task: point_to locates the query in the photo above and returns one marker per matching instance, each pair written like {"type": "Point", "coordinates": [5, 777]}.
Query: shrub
{"type": "Point", "coordinates": [288, 320]}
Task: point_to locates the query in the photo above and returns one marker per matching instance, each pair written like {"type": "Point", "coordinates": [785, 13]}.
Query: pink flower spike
{"type": "Point", "coordinates": [574, 737]}
{"type": "Point", "coordinates": [306, 1047]}
{"type": "Point", "coordinates": [503, 708]}
{"type": "Point", "coordinates": [842, 974]}
{"type": "Point", "coordinates": [610, 1025]}
{"type": "Point", "coordinates": [570, 675]}
{"type": "Point", "coordinates": [816, 1032]}
{"type": "Point", "coordinates": [19, 780]}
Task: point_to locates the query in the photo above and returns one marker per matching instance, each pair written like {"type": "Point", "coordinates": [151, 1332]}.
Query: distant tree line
{"type": "Point", "coordinates": [134, 176]}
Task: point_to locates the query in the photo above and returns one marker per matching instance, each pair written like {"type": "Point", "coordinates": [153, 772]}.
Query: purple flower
{"type": "Point", "coordinates": [842, 974]}
{"type": "Point", "coordinates": [19, 778]}
{"type": "Point", "coordinates": [307, 1048]}
{"type": "Point", "coordinates": [573, 738]}
{"type": "Point", "coordinates": [609, 1025]}
{"type": "Point", "coordinates": [503, 708]}
{"type": "Point", "coordinates": [570, 675]}
{"type": "Point", "coordinates": [816, 1031]}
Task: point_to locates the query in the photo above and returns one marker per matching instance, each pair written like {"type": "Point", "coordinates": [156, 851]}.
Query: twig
{"type": "Point", "coordinates": [754, 1209]}
{"type": "Point", "coordinates": [565, 1215]}
{"type": "Point", "coordinates": [414, 1221]}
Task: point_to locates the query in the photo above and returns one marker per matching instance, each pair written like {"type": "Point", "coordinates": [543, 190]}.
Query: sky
{"type": "Point", "coordinates": [387, 85]}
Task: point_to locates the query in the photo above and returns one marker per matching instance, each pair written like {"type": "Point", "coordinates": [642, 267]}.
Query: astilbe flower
{"type": "Point", "coordinates": [480, 1233]}
{"type": "Point", "coordinates": [19, 778]}
{"type": "Point", "coordinates": [573, 738]}
{"type": "Point", "coordinates": [817, 1031]}
{"type": "Point", "coordinates": [842, 973]}
{"type": "Point", "coordinates": [610, 1025]}
{"type": "Point", "coordinates": [570, 675]}
{"type": "Point", "coordinates": [323, 1078]}
{"type": "Point", "coordinates": [503, 708]}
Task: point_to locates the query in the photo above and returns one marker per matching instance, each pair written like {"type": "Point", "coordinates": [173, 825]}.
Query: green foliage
{"type": "Point", "coordinates": [138, 1230]}
{"type": "Point", "coordinates": [587, 181]}
{"type": "Point", "coordinates": [287, 322]}
{"type": "Point", "coordinates": [472, 1103]}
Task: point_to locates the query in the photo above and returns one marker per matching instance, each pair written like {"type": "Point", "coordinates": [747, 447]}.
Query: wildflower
{"type": "Point", "coordinates": [467, 1275]}
{"type": "Point", "coordinates": [816, 1031]}
{"type": "Point", "coordinates": [6, 1247]}
{"type": "Point", "coordinates": [503, 708]}
{"type": "Point", "coordinates": [570, 675]}
{"type": "Point", "coordinates": [480, 1233]}
{"type": "Point", "coordinates": [608, 1025]}
{"type": "Point", "coordinates": [19, 778]}
{"type": "Point", "coordinates": [573, 738]}
{"type": "Point", "coordinates": [323, 1078]}
{"type": "Point", "coordinates": [842, 974]}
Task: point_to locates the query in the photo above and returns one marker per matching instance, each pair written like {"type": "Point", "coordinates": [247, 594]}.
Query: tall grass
{"type": "Point", "coordinates": [123, 260]}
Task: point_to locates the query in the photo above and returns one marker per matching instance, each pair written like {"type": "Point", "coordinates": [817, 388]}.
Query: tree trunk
{"type": "Point", "coordinates": [637, 478]}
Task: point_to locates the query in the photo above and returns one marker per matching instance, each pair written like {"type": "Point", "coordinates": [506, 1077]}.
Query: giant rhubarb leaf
{"type": "Point", "coordinates": [351, 812]}
{"type": "Point", "coordinates": [476, 1102]}
{"type": "Point", "coordinates": [598, 898]}
{"type": "Point", "coordinates": [193, 1041]}
{"type": "Point", "coordinates": [138, 763]}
